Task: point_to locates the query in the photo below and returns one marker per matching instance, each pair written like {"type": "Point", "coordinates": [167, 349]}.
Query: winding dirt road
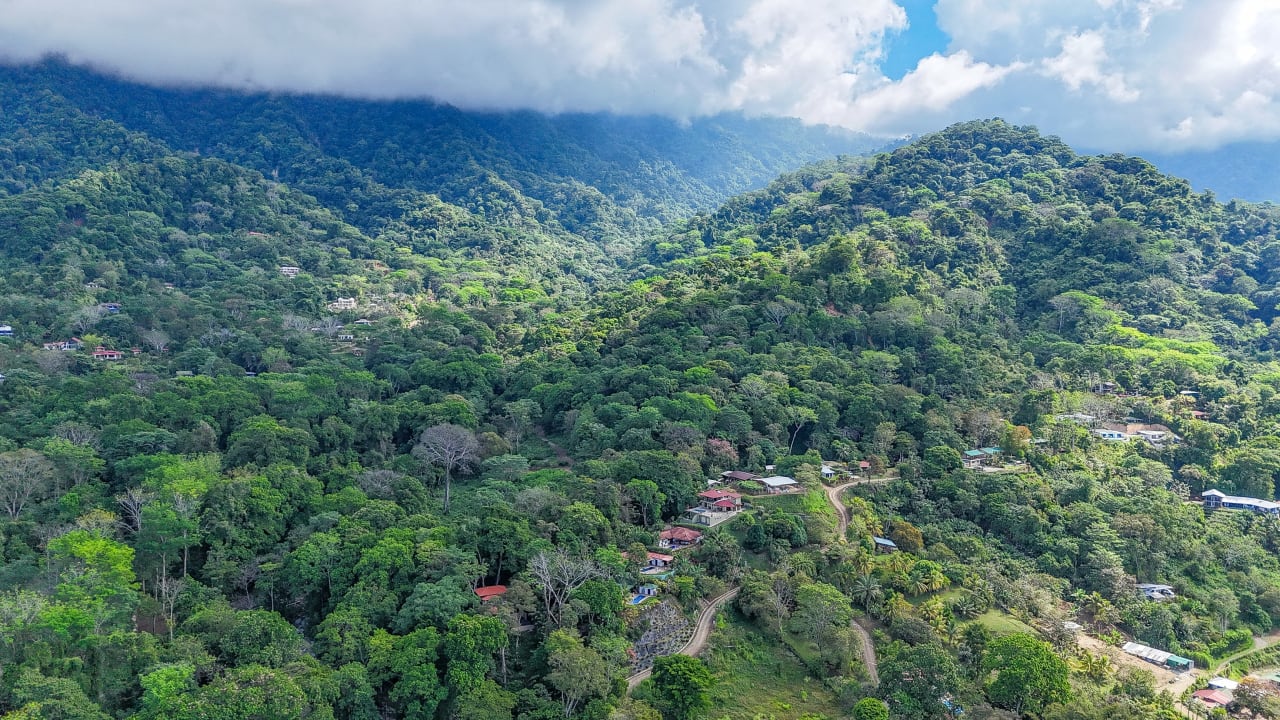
{"type": "Point", "coordinates": [864, 637]}
{"type": "Point", "coordinates": [701, 633]}
{"type": "Point", "coordinates": [833, 496]}
{"type": "Point", "coordinates": [702, 630]}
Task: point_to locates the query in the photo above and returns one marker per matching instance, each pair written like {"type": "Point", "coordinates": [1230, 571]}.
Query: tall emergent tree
{"type": "Point", "coordinates": [449, 447]}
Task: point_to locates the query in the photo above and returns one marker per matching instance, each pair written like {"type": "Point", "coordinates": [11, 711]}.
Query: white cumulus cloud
{"type": "Point", "coordinates": [1115, 74]}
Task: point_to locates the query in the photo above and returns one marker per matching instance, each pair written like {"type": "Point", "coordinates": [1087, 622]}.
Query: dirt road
{"type": "Point", "coordinates": [706, 619]}
{"type": "Point", "coordinates": [868, 653]}
{"type": "Point", "coordinates": [833, 496]}
{"type": "Point", "coordinates": [701, 633]}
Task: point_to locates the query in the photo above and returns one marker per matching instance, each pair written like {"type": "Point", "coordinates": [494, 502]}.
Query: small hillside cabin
{"type": "Point", "coordinates": [1156, 593]}
{"type": "Point", "coordinates": [489, 592]}
{"type": "Point", "coordinates": [6, 331]}
{"type": "Point", "coordinates": [885, 545]}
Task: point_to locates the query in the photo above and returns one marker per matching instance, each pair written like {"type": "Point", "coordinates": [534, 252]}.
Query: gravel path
{"type": "Point", "coordinates": [701, 633]}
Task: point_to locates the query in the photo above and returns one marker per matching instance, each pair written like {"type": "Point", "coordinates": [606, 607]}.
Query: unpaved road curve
{"type": "Point", "coordinates": [701, 633]}
{"type": "Point", "coordinates": [868, 653]}
{"type": "Point", "coordinates": [833, 496]}
{"type": "Point", "coordinates": [868, 647]}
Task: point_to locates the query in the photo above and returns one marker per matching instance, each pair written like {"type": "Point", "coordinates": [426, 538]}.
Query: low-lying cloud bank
{"type": "Point", "coordinates": [1122, 74]}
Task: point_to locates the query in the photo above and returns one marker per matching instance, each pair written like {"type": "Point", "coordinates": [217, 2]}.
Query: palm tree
{"type": "Point", "coordinates": [965, 606]}
{"type": "Point", "coordinates": [920, 585]}
{"type": "Point", "coordinates": [861, 561]}
{"type": "Point", "coordinates": [867, 591]}
{"type": "Point", "coordinates": [893, 608]}
{"type": "Point", "coordinates": [1097, 668]}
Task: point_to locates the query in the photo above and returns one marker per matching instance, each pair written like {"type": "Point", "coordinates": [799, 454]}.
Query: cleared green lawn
{"type": "Point", "coordinates": [1000, 623]}
{"type": "Point", "coordinates": [757, 677]}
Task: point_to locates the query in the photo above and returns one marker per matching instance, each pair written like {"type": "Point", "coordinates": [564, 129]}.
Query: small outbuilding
{"type": "Point", "coordinates": [885, 545]}
{"type": "Point", "coordinates": [1221, 683]}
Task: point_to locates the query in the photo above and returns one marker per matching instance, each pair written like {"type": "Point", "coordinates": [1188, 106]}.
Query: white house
{"type": "Point", "coordinates": [1111, 435]}
{"type": "Point", "coordinates": [6, 331]}
{"type": "Point", "coordinates": [1215, 499]}
{"type": "Point", "coordinates": [828, 472]}
{"type": "Point", "coordinates": [289, 270]}
{"type": "Point", "coordinates": [1158, 593]}
{"type": "Point", "coordinates": [779, 484]}
{"type": "Point", "coordinates": [343, 303]}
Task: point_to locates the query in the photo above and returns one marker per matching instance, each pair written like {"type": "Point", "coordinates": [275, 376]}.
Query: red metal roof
{"type": "Point", "coordinates": [1212, 697]}
{"type": "Point", "coordinates": [717, 494]}
{"type": "Point", "coordinates": [489, 592]}
{"type": "Point", "coordinates": [680, 533]}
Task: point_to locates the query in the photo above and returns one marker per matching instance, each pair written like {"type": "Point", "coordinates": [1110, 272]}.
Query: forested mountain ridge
{"type": "Point", "coordinates": [242, 505]}
{"type": "Point", "coordinates": [583, 169]}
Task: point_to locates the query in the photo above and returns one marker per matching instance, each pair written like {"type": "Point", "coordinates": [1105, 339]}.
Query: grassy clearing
{"type": "Point", "coordinates": [945, 596]}
{"type": "Point", "coordinates": [756, 677]}
{"type": "Point", "coordinates": [1000, 623]}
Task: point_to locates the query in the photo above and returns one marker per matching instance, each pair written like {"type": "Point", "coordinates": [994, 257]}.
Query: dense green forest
{"type": "Point", "coordinates": [289, 379]}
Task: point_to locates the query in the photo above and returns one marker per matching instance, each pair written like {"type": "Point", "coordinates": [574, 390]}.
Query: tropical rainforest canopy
{"type": "Point", "coordinates": [290, 378]}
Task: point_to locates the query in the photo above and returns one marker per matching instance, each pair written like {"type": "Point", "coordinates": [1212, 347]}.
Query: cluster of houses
{"type": "Point", "coordinates": [1131, 429]}
{"type": "Point", "coordinates": [1219, 694]}
{"type": "Point", "coordinates": [101, 352]}
{"type": "Point", "coordinates": [1217, 500]}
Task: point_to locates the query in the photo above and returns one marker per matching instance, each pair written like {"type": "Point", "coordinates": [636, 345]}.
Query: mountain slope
{"type": "Point", "coordinates": [242, 511]}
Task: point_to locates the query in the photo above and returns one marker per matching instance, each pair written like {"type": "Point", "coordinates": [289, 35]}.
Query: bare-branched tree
{"type": "Point", "coordinates": [557, 574]}
{"type": "Point", "coordinates": [24, 474]}
{"type": "Point", "coordinates": [449, 447]}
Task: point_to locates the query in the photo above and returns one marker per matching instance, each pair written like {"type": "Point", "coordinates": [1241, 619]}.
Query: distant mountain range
{"type": "Point", "coordinates": [1245, 171]}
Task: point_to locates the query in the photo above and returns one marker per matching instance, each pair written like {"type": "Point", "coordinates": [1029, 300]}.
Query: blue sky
{"type": "Point", "coordinates": [1119, 75]}
{"type": "Point", "coordinates": [922, 38]}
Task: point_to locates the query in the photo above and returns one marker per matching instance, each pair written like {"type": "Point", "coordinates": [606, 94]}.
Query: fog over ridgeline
{"type": "Point", "coordinates": [1126, 76]}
